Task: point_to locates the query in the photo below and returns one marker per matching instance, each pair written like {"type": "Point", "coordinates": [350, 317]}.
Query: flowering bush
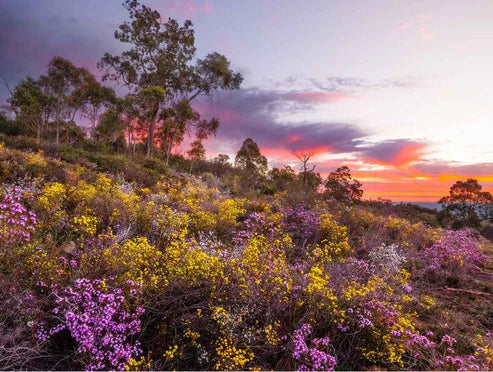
{"type": "Point", "coordinates": [456, 253]}
{"type": "Point", "coordinates": [311, 354]}
{"type": "Point", "coordinates": [17, 223]}
{"type": "Point", "coordinates": [254, 224]}
{"type": "Point", "coordinates": [386, 257]}
{"type": "Point", "coordinates": [300, 223]}
{"type": "Point", "coordinates": [94, 314]}
{"type": "Point", "coordinates": [227, 280]}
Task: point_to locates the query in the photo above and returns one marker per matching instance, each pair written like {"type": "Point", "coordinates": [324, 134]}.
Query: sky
{"type": "Point", "coordinates": [401, 91]}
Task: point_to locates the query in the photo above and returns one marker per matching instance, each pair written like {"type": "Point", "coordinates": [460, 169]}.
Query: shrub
{"type": "Point", "coordinates": [386, 258]}
{"type": "Point", "coordinates": [455, 254]}
{"type": "Point", "coordinates": [22, 143]}
{"type": "Point", "coordinates": [300, 223]}
{"type": "Point", "coordinates": [94, 313]}
{"type": "Point", "coordinates": [17, 223]}
{"type": "Point", "coordinates": [313, 354]}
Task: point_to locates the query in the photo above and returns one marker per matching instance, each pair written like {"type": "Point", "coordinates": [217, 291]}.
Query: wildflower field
{"type": "Point", "coordinates": [99, 271]}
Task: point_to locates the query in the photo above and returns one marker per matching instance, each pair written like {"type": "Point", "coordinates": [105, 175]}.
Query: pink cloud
{"type": "Point", "coordinates": [316, 97]}
{"type": "Point", "coordinates": [405, 26]}
{"type": "Point", "coordinates": [419, 23]}
{"type": "Point", "coordinates": [397, 153]}
{"type": "Point", "coordinates": [188, 8]}
{"type": "Point", "coordinates": [293, 138]}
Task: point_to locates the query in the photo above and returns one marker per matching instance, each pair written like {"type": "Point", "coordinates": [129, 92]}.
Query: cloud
{"type": "Point", "coordinates": [350, 85]}
{"type": "Point", "coordinates": [398, 169]}
{"type": "Point", "coordinates": [315, 97]}
{"type": "Point", "coordinates": [419, 23]}
{"type": "Point", "coordinates": [451, 169]}
{"type": "Point", "coordinates": [398, 152]}
{"type": "Point", "coordinates": [186, 8]}
{"type": "Point", "coordinates": [254, 113]}
{"type": "Point", "coordinates": [28, 42]}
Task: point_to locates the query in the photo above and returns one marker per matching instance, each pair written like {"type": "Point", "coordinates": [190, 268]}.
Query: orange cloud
{"type": "Point", "coordinates": [409, 154]}
{"type": "Point", "coordinates": [399, 187]}
{"type": "Point", "coordinates": [456, 177]}
{"type": "Point", "coordinates": [407, 184]}
{"type": "Point", "coordinates": [397, 153]}
{"type": "Point", "coordinates": [293, 138]}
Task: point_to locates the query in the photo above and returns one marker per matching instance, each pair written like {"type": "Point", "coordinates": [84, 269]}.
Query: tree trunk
{"type": "Point", "coordinates": [168, 152]}
{"type": "Point", "coordinates": [38, 132]}
{"type": "Point", "coordinates": [57, 118]}
{"type": "Point", "coordinates": [150, 139]}
{"type": "Point", "coordinates": [169, 148]}
{"type": "Point", "coordinates": [150, 134]}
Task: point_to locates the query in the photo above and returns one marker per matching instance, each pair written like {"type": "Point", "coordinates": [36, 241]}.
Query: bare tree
{"type": "Point", "coordinates": [304, 157]}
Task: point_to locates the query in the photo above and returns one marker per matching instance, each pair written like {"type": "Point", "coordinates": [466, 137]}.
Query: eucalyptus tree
{"type": "Point", "coordinates": [161, 70]}
{"type": "Point", "coordinates": [95, 97]}
{"type": "Point", "coordinates": [31, 105]}
{"type": "Point", "coordinates": [70, 89]}
{"type": "Point", "coordinates": [59, 83]}
{"type": "Point", "coordinates": [466, 205]}
{"type": "Point", "coordinates": [342, 187]}
{"type": "Point", "coordinates": [196, 152]}
{"type": "Point", "coordinates": [249, 158]}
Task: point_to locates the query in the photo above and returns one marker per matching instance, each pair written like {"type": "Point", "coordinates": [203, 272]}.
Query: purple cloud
{"type": "Point", "coordinates": [253, 113]}
{"type": "Point", "coordinates": [396, 152]}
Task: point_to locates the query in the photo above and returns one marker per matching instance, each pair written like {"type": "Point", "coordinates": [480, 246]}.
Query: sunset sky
{"type": "Point", "coordinates": [399, 91]}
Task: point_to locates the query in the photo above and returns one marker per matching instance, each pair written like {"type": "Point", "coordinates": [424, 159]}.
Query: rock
{"type": "Point", "coordinates": [68, 247]}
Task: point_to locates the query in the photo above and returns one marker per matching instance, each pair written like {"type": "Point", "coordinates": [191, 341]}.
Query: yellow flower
{"type": "Point", "coordinates": [230, 357]}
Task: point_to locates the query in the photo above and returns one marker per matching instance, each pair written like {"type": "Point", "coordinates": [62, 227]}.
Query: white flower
{"type": "Point", "coordinates": [386, 257]}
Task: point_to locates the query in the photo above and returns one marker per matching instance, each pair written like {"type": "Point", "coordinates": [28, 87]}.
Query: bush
{"type": "Point", "coordinates": [139, 269]}
{"type": "Point", "coordinates": [454, 255]}
{"type": "Point", "coordinates": [22, 142]}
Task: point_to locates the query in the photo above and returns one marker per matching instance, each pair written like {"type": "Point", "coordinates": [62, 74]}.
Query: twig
{"type": "Point", "coordinates": [6, 84]}
{"type": "Point", "coordinates": [467, 291]}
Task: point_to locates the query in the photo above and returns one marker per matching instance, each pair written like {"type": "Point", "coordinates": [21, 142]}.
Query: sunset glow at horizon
{"type": "Point", "coordinates": [400, 92]}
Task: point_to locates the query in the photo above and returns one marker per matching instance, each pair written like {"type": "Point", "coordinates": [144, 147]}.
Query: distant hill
{"type": "Point", "coordinates": [431, 205]}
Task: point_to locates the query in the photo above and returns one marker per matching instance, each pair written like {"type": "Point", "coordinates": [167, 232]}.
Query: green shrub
{"type": "Point", "coordinates": [22, 143]}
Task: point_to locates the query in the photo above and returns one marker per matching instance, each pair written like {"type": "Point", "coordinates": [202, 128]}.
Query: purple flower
{"type": "Point", "coordinates": [98, 320]}
{"type": "Point", "coordinates": [300, 223]}
{"type": "Point", "coordinates": [448, 340]}
{"type": "Point", "coordinates": [16, 222]}
{"type": "Point", "coordinates": [314, 357]}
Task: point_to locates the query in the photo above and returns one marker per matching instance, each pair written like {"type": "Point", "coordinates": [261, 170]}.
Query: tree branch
{"type": "Point", "coordinates": [6, 84]}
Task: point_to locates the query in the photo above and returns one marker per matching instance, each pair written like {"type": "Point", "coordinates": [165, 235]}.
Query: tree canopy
{"type": "Point", "coordinates": [341, 186]}
{"type": "Point", "coordinates": [250, 159]}
{"type": "Point", "coordinates": [161, 70]}
{"type": "Point", "coordinates": [466, 204]}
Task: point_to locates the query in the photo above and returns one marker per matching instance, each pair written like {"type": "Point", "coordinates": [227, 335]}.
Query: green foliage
{"type": "Point", "coordinates": [465, 205]}
{"type": "Point", "coordinates": [249, 158]}
{"type": "Point", "coordinates": [159, 70]}
{"type": "Point", "coordinates": [416, 213]}
{"type": "Point", "coordinates": [10, 127]}
{"type": "Point", "coordinates": [110, 130]}
{"type": "Point", "coordinates": [341, 187]}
